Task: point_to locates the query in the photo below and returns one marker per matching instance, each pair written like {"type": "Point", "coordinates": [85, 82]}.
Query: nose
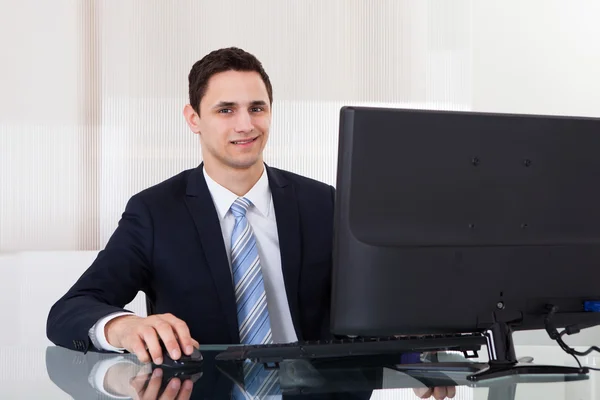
{"type": "Point", "coordinates": [243, 122]}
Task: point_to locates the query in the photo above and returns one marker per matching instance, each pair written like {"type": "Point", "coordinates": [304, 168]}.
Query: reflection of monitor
{"type": "Point", "coordinates": [465, 222]}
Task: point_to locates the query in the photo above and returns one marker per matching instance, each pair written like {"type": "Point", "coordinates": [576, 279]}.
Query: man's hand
{"type": "Point", "coordinates": [140, 336]}
{"type": "Point", "coordinates": [438, 393]}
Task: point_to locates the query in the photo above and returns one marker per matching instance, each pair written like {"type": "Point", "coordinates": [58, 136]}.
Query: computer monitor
{"type": "Point", "coordinates": [455, 222]}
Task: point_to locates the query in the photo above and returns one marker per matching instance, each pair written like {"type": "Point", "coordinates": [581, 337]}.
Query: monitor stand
{"type": "Point", "coordinates": [503, 360]}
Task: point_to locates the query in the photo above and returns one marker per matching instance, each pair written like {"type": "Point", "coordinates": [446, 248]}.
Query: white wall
{"type": "Point", "coordinates": [536, 56]}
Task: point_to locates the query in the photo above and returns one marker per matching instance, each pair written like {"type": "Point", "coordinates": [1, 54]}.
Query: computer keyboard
{"type": "Point", "coordinates": [469, 344]}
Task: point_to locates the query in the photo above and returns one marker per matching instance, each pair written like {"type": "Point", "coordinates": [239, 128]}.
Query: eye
{"type": "Point", "coordinates": [257, 109]}
{"type": "Point", "coordinates": [225, 111]}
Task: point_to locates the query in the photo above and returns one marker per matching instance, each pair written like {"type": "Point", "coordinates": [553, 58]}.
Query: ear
{"type": "Point", "coordinates": [192, 118]}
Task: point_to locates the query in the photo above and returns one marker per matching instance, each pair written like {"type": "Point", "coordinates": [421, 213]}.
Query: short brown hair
{"type": "Point", "coordinates": [229, 59]}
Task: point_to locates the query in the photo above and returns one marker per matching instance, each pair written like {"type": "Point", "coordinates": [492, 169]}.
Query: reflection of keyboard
{"type": "Point", "coordinates": [273, 353]}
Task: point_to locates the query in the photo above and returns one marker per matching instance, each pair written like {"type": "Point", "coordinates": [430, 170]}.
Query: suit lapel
{"type": "Point", "coordinates": [204, 214]}
{"type": "Point", "coordinates": [288, 227]}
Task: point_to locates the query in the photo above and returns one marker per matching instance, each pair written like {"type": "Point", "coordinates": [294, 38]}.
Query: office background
{"type": "Point", "coordinates": [92, 92]}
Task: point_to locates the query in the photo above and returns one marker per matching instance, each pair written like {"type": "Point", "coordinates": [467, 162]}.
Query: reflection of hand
{"type": "Point", "coordinates": [438, 393]}
{"type": "Point", "coordinates": [147, 387]}
{"type": "Point", "coordinates": [118, 376]}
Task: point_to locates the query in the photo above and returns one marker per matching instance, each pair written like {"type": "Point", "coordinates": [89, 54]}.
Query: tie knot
{"type": "Point", "coordinates": [240, 206]}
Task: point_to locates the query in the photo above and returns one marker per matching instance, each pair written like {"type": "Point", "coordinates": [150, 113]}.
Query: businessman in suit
{"type": "Point", "coordinates": [174, 240]}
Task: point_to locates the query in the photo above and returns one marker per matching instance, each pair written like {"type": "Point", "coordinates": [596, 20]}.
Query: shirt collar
{"type": "Point", "coordinates": [259, 195]}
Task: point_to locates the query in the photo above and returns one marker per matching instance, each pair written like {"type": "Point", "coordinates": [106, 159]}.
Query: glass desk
{"type": "Point", "coordinates": [51, 372]}
{"type": "Point", "coordinates": [32, 368]}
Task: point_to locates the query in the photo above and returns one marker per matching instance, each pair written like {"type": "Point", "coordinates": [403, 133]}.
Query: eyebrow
{"type": "Point", "coordinates": [222, 104]}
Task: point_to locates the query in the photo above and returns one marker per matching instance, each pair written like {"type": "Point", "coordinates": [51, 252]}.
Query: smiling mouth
{"type": "Point", "coordinates": [246, 141]}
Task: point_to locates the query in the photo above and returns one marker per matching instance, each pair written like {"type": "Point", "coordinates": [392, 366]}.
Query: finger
{"type": "Point", "coordinates": [138, 383]}
{"type": "Point", "coordinates": [439, 393]}
{"type": "Point", "coordinates": [186, 390]}
{"type": "Point", "coordinates": [151, 339]}
{"type": "Point", "coordinates": [196, 344]}
{"type": "Point", "coordinates": [151, 391]}
{"type": "Point", "coordinates": [172, 390]}
{"type": "Point", "coordinates": [423, 392]}
{"type": "Point", "coordinates": [138, 347]}
{"type": "Point", "coordinates": [165, 331]}
{"type": "Point", "coordinates": [182, 331]}
{"type": "Point", "coordinates": [451, 392]}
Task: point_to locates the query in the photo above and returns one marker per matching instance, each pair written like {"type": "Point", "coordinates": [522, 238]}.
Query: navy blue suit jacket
{"type": "Point", "coordinates": [169, 245]}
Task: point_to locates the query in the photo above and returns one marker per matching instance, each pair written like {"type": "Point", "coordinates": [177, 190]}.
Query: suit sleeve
{"type": "Point", "coordinates": [113, 280]}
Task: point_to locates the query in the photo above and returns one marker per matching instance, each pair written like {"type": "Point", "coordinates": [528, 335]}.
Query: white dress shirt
{"type": "Point", "coordinates": [261, 217]}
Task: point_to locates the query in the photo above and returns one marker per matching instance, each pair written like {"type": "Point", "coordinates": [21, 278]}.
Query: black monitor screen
{"type": "Point", "coordinates": [449, 221]}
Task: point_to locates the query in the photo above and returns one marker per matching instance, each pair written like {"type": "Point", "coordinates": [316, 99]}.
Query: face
{"type": "Point", "coordinates": [234, 120]}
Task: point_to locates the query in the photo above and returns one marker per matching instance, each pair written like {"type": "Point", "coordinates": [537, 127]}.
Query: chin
{"type": "Point", "coordinates": [244, 164]}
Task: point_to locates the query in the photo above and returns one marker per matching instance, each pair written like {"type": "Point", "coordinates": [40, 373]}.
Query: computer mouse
{"type": "Point", "coordinates": [194, 360]}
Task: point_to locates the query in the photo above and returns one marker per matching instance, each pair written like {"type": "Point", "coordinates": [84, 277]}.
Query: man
{"type": "Point", "coordinates": [174, 240]}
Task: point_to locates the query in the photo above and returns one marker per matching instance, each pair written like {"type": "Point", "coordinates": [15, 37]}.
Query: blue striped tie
{"type": "Point", "coordinates": [252, 312]}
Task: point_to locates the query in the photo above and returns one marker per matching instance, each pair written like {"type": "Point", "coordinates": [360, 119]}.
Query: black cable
{"type": "Point", "coordinates": [585, 353]}
{"type": "Point", "coordinates": [569, 330]}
